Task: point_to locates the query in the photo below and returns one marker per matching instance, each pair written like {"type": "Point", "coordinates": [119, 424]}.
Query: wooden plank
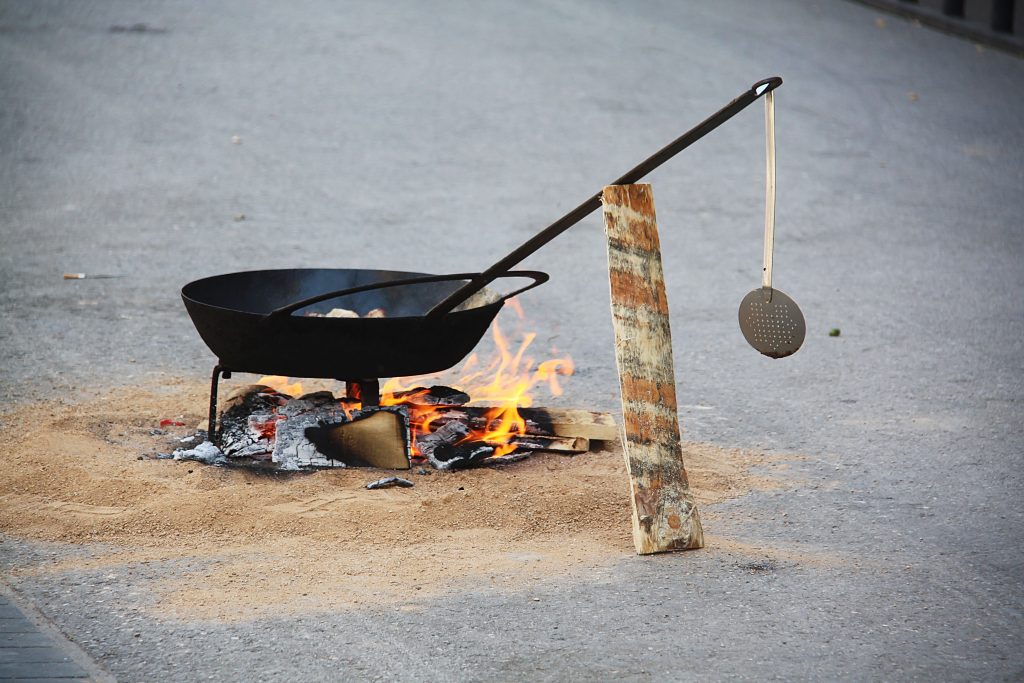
{"type": "Point", "coordinates": [565, 422]}
{"type": "Point", "coordinates": [665, 514]}
{"type": "Point", "coordinates": [572, 422]}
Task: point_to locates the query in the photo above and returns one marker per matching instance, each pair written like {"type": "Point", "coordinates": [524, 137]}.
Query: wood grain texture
{"type": "Point", "coordinates": [571, 422]}
{"type": "Point", "coordinates": [560, 422]}
{"type": "Point", "coordinates": [665, 515]}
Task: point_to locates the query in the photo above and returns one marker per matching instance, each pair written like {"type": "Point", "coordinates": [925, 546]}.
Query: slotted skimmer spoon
{"type": "Point", "coordinates": [770, 321]}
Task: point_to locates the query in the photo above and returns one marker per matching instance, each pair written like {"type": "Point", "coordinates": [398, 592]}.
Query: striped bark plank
{"type": "Point", "coordinates": [665, 514]}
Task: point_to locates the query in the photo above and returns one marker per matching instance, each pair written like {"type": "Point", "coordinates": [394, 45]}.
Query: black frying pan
{"type": "Point", "coordinates": [253, 321]}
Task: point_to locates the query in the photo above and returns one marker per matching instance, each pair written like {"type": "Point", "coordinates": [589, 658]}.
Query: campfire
{"type": "Point", "coordinates": [480, 414]}
{"type": "Point", "coordinates": [335, 323]}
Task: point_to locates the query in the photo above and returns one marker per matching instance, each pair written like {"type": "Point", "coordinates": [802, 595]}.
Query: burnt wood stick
{"type": "Point", "coordinates": [665, 514]}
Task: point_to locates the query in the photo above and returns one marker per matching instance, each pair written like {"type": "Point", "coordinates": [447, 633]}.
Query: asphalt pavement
{"type": "Point", "coordinates": [164, 141]}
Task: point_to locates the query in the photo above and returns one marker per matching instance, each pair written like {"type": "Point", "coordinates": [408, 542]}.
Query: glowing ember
{"type": "Point", "coordinates": [506, 381]}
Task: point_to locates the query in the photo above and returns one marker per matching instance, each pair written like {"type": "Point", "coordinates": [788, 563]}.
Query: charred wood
{"type": "Point", "coordinates": [388, 482]}
{"type": "Point", "coordinates": [448, 435]}
{"type": "Point", "coordinates": [551, 422]}
{"type": "Point", "coordinates": [437, 395]}
{"type": "Point", "coordinates": [460, 456]}
{"type": "Point", "coordinates": [378, 438]}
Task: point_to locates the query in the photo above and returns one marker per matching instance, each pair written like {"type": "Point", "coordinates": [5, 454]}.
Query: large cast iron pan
{"type": "Point", "coordinates": [253, 322]}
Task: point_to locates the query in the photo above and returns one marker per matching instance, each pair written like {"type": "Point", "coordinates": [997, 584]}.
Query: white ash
{"type": "Point", "coordinates": [244, 424]}
{"type": "Point", "coordinates": [205, 452]}
{"type": "Point", "coordinates": [248, 441]}
{"type": "Point", "coordinates": [292, 450]}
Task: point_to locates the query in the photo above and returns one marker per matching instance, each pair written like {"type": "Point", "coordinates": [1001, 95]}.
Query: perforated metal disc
{"type": "Point", "coordinates": [772, 323]}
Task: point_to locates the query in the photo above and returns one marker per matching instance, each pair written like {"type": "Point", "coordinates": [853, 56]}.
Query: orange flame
{"type": "Point", "coordinates": [280, 384]}
{"type": "Point", "coordinates": [506, 381]}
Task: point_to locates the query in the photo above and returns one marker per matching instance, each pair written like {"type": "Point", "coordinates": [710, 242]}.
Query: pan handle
{"type": "Point", "coordinates": [538, 277]}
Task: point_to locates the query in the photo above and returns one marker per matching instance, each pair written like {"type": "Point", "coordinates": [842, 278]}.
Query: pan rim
{"type": "Point", "coordinates": [400, 274]}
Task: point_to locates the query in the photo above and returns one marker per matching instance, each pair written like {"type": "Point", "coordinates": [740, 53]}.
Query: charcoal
{"type": "Point", "coordinates": [437, 395]}
{"type": "Point", "coordinates": [449, 434]}
{"type": "Point", "coordinates": [251, 437]}
{"type": "Point", "coordinates": [293, 447]}
{"type": "Point", "coordinates": [252, 398]}
{"type": "Point", "coordinates": [388, 482]}
{"type": "Point", "coordinates": [308, 403]}
{"type": "Point", "coordinates": [292, 450]}
{"type": "Point", "coordinates": [318, 398]}
{"type": "Point", "coordinates": [242, 422]}
{"type": "Point", "coordinates": [460, 456]}
{"type": "Point", "coordinates": [275, 397]}
{"type": "Point", "coordinates": [440, 395]}
{"type": "Point", "coordinates": [499, 460]}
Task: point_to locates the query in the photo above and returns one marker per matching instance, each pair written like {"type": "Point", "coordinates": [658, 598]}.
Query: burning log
{"type": "Point", "coordinates": [545, 422]}
{"type": "Point", "coordinates": [251, 397]}
{"type": "Point", "coordinates": [434, 396]}
{"type": "Point", "coordinates": [314, 430]}
{"type": "Point", "coordinates": [570, 422]}
{"type": "Point", "coordinates": [448, 435]}
{"type": "Point", "coordinates": [378, 439]}
{"type": "Point", "coordinates": [249, 421]}
{"type": "Point", "coordinates": [265, 426]}
{"type": "Point", "coordinates": [664, 511]}
{"type": "Point", "coordinates": [292, 450]}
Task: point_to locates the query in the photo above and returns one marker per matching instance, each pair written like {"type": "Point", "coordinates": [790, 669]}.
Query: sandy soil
{"type": "Point", "coordinates": [314, 541]}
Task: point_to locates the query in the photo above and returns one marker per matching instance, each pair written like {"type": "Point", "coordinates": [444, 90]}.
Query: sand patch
{"type": "Point", "coordinates": [273, 543]}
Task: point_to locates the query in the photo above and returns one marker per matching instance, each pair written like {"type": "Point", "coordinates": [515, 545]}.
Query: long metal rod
{"type": "Point", "coordinates": [212, 432]}
{"type": "Point", "coordinates": [594, 203]}
{"type": "Point", "coordinates": [769, 189]}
